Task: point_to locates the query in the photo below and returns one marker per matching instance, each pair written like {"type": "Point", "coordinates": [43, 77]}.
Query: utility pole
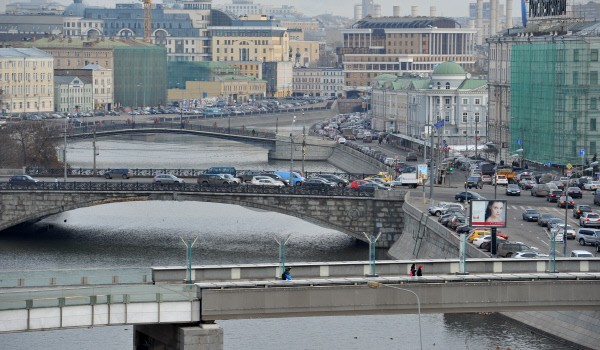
{"type": "Point", "coordinates": [94, 150]}
{"type": "Point", "coordinates": [303, 142]}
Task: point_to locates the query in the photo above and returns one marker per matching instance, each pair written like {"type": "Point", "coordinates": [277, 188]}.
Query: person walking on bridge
{"type": "Point", "coordinates": [420, 270]}
{"type": "Point", "coordinates": [413, 270]}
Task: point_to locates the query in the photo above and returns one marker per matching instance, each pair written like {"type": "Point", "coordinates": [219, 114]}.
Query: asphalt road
{"type": "Point", "coordinates": [517, 229]}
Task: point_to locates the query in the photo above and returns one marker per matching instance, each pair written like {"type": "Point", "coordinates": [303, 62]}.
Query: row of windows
{"type": "Point", "coordinates": [303, 87]}
{"type": "Point", "coordinates": [242, 88]}
{"type": "Point", "coordinates": [17, 77]}
{"type": "Point", "coordinates": [19, 105]}
{"type": "Point", "coordinates": [28, 64]}
{"type": "Point", "coordinates": [28, 90]}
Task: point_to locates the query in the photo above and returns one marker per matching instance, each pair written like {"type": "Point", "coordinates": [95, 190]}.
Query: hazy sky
{"type": "Point", "coordinates": [449, 8]}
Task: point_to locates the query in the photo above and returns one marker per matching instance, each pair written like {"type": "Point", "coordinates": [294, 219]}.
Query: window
{"type": "Point", "coordinates": [594, 55]}
{"type": "Point", "coordinates": [574, 124]}
{"type": "Point", "coordinates": [465, 101]}
{"type": "Point", "coordinates": [477, 117]}
{"type": "Point", "coordinates": [465, 117]}
{"type": "Point", "coordinates": [575, 78]}
{"type": "Point", "coordinates": [592, 124]}
{"type": "Point", "coordinates": [447, 100]}
{"type": "Point", "coordinates": [592, 147]}
{"type": "Point", "coordinates": [477, 101]}
{"type": "Point", "coordinates": [594, 103]}
{"type": "Point", "coordinates": [594, 78]}
{"type": "Point", "coordinates": [439, 85]}
{"type": "Point", "coordinates": [447, 86]}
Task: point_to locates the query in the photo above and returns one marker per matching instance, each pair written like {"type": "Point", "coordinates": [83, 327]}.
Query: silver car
{"type": "Point", "coordinates": [167, 179]}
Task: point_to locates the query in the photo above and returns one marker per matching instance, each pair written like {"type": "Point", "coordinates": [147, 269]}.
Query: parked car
{"type": "Point", "coordinates": [265, 181]}
{"type": "Point", "coordinates": [513, 190]}
{"type": "Point", "coordinates": [357, 183]}
{"type": "Point", "coordinates": [575, 192]}
{"type": "Point", "coordinates": [565, 202]}
{"type": "Point", "coordinates": [529, 255]}
{"type": "Point", "coordinates": [215, 179]}
{"type": "Point", "coordinates": [167, 179]}
{"type": "Point", "coordinates": [580, 209]}
{"type": "Point", "coordinates": [487, 245]}
{"type": "Point", "coordinates": [120, 173]}
{"type": "Point", "coordinates": [318, 182]}
{"type": "Point", "coordinates": [467, 196]}
{"type": "Point", "coordinates": [336, 179]}
{"type": "Point", "coordinates": [587, 236]}
{"type": "Point", "coordinates": [371, 187]}
{"type": "Point", "coordinates": [442, 207]}
{"type": "Point", "coordinates": [589, 219]}
{"type": "Point", "coordinates": [508, 249]}
{"type": "Point", "coordinates": [530, 215]}
{"type": "Point", "coordinates": [581, 254]}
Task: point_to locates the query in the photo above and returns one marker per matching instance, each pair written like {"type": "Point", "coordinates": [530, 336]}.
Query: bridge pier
{"type": "Point", "coordinates": [206, 336]}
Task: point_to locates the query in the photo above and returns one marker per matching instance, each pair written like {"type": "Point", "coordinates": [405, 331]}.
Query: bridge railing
{"type": "Point", "coordinates": [97, 295]}
{"type": "Point", "coordinates": [108, 186]}
{"type": "Point", "coordinates": [58, 172]}
{"type": "Point", "coordinates": [79, 277]}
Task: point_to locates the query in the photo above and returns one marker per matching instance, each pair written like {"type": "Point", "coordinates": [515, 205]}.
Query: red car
{"type": "Point", "coordinates": [357, 183]}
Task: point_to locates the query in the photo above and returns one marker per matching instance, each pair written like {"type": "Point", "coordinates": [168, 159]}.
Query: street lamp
{"type": "Point", "coordinates": [65, 152]}
{"type": "Point", "coordinates": [292, 152]}
{"type": "Point", "coordinates": [303, 142]}
{"type": "Point", "coordinates": [373, 284]}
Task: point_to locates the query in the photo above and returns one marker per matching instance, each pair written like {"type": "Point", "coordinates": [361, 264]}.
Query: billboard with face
{"type": "Point", "coordinates": [488, 213]}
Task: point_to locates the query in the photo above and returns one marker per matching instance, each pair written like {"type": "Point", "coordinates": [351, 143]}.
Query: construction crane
{"type": "Point", "coordinates": [147, 21]}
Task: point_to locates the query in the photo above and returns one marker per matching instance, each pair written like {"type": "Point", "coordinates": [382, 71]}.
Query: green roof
{"type": "Point", "coordinates": [449, 68]}
{"type": "Point", "coordinates": [472, 84]}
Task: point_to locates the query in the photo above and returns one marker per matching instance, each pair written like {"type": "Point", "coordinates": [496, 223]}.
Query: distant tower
{"type": "Point", "coordinates": [368, 8]}
{"type": "Point", "coordinates": [357, 12]}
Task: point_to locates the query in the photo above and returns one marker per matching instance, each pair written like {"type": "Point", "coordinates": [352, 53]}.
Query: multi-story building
{"type": "Point", "coordinates": [321, 81]}
{"type": "Point", "coordinates": [411, 105]}
{"type": "Point", "coordinates": [26, 80]}
{"type": "Point", "coordinates": [255, 38]}
{"type": "Point", "coordinates": [306, 53]}
{"type": "Point", "coordinates": [102, 84]}
{"type": "Point", "coordinates": [231, 88]}
{"type": "Point", "coordinates": [279, 78]}
{"type": "Point", "coordinates": [139, 69]}
{"type": "Point", "coordinates": [549, 118]}
{"type": "Point", "coordinates": [400, 45]}
{"type": "Point", "coordinates": [73, 94]}
{"type": "Point", "coordinates": [248, 68]}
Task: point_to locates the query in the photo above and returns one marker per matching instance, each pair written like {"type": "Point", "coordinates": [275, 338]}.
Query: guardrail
{"type": "Point", "coordinates": [185, 187]}
{"type": "Point", "coordinates": [79, 277]}
{"type": "Point", "coordinates": [99, 295]}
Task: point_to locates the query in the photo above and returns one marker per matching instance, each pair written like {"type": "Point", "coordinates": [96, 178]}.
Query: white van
{"type": "Point", "coordinates": [501, 180]}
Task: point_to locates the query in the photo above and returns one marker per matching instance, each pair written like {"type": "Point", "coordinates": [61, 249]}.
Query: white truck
{"type": "Point", "coordinates": [406, 179]}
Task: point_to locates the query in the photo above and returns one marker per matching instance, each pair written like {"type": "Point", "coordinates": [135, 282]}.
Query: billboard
{"type": "Point", "coordinates": [488, 213]}
{"type": "Point", "coordinates": [547, 8]}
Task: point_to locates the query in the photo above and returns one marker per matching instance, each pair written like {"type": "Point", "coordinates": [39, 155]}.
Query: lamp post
{"type": "Point", "coordinates": [303, 142]}
{"type": "Point", "coordinates": [65, 152]}
{"type": "Point", "coordinates": [136, 106]}
{"type": "Point", "coordinates": [373, 284]}
{"type": "Point", "coordinates": [292, 152]}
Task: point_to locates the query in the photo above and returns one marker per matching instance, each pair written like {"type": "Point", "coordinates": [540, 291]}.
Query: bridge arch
{"type": "Point", "coordinates": [348, 213]}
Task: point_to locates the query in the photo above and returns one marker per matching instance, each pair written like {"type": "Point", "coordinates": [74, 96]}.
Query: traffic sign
{"type": "Point", "coordinates": [582, 152]}
{"type": "Point", "coordinates": [569, 166]}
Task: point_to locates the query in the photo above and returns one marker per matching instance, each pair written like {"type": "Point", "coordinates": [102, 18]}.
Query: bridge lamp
{"type": "Point", "coordinates": [65, 152]}
{"type": "Point", "coordinates": [374, 284]}
{"type": "Point", "coordinates": [292, 152]}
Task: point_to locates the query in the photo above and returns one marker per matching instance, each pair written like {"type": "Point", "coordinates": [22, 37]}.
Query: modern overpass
{"type": "Point", "coordinates": [347, 210]}
{"type": "Point", "coordinates": [159, 309]}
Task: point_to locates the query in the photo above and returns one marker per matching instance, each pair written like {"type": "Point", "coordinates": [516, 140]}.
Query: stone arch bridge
{"type": "Point", "coordinates": [346, 210]}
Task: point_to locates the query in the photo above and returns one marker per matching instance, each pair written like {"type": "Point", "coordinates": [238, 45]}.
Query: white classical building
{"type": "Point", "coordinates": [410, 104]}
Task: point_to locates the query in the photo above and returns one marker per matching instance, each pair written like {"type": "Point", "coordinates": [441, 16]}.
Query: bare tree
{"type": "Point", "coordinates": [29, 144]}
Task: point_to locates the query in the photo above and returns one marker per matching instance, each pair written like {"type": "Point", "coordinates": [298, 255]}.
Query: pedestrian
{"type": "Point", "coordinates": [420, 271]}
{"type": "Point", "coordinates": [56, 183]}
{"type": "Point", "coordinates": [286, 275]}
{"type": "Point", "coordinates": [413, 270]}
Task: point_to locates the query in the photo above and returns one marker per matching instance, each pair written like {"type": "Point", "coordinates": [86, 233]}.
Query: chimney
{"type": "Point", "coordinates": [509, 23]}
{"type": "Point", "coordinates": [396, 11]}
{"type": "Point", "coordinates": [433, 11]}
{"type": "Point", "coordinates": [479, 23]}
{"type": "Point", "coordinates": [493, 17]}
{"type": "Point", "coordinates": [414, 10]}
{"type": "Point", "coordinates": [357, 12]}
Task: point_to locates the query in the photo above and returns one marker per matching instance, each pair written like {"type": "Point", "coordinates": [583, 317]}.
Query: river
{"type": "Point", "coordinates": [144, 234]}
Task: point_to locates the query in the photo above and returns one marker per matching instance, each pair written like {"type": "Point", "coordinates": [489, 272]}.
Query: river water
{"type": "Point", "coordinates": [147, 234]}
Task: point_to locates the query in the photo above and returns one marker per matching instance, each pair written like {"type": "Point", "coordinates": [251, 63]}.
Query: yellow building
{"type": "Point", "coordinates": [250, 40]}
{"type": "Point", "coordinates": [26, 81]}
{"type": "Point", "coordinates": [249, 68]}
{"type": "Point", "coordinates": [231, 88]}
{"type": "Point", "coordinates": [306, 53]}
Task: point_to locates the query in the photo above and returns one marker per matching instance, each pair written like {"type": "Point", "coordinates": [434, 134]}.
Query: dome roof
{"type": "Point", "coordinates": [449, 68]}
{"type": "Point", "coordinates": [76, 9]}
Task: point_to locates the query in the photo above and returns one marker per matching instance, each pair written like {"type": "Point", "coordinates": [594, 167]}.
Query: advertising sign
{"type": "Point", "coordinates": [488, 213]}
{"type": "Point", "coordinates": [422, 172]}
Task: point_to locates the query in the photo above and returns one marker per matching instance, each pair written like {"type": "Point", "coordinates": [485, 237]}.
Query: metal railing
{"type": "Point", "coordinates": [74, 277]}
{"type": "Point", "coordinates": [108, 186]}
